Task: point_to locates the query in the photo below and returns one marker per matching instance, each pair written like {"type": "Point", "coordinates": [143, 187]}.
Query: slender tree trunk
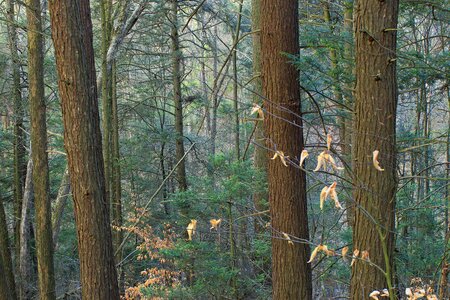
{"type": "Point", "coordinates": [20, 167]}
{"type": "Point", "coordinates": [260, 154]}
{"type": "Point", "coordinates": [374, 129]}
{"type": "Point", "coordinates": [60, 205]}
{"type": "Point", "coordinates": [291, 275]}
{"type": "Point", "coordinates": [176, 77]}
{"type": "Point", "coordinates": [72, 37]}
{"type": "Point", "coordinates": [215, 92]}
{"type": "Point", "coordinates": [44, 242]}
{"type": "Point", "coordinates": [7, 282]}
{"type": "Point", "coordinates": [27, 278]}
{"type": "Point", "coordinates": [235, 83]}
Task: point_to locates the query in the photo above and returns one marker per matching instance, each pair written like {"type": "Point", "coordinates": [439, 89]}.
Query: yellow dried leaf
{"type": "Point", "coordinates": [320, 162]}
{"type": "Point", "coordinates": [374, 295]}
{"type": "Point", "coordinates": [215, 223]}
{"type": "Point", "coordinates": [432, 297]}
{"type": "Point", "coordinates": [288, 238]}
{"type": "Point", "coordinates": [314, 253]}
{"type": "Point", "coordinates": [282, 157]}
{"type": "Point", "coordinates": [408, 292]}
{"type": "Point", "coordinates": [365, 255]}
{"type": "Point", "coordinates": [329, 139]}
{"type": "Point", "coordinates": [333, 194]}
{"type": "Point", "coordinates": [258, 109]}
{"type": "Point", "coordinates": [355, 256]}
{"type": "Point", "coordinates": [332, 162]}
{"type": "Point", "coordinates": [191, 229]}
{"type": "Point", "coordinates": [344, 252]}
{"type": "Point", "coordinates": [323, 196]}
{"type": "Point", "coordinates": [376, 164]}
{"type": "Point", "coordinates": [303, 156]}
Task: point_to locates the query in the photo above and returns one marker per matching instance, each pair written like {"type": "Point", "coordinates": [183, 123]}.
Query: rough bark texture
{"type": "Point", "coordinates": [72, 37]}
{"type": "Point", "coordinates": [260, 154]}
{"type": "Point", "coordinates": [20, 167]}
{"type": "Point", "coordinates": [176, 78]}
{"type": "Point", "coordinates": [291, 275]}
{"type": "Point", "coordinates": [27, 278]}
{"type": "Point", "coordinates": [60, 205]}
{"type": "Point", "coordinates": [44, 242]}
{"type": "Point", "coordinates": [374, 129]}
{"type": "Point", "coordinates": [7, 284]}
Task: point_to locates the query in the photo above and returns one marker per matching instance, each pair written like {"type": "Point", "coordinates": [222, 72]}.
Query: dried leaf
{"type": "Point", "coordinates": [374, 295]}
{"type": "Point", "coordinates": [323, 196]}
{"type": "Point", "coordinates": [355, 255]}
{"type": "Point", "coordinates": [303, 156]}
{"type": "Point", "coordinates": [314, 253]}
{"type": "Point", "coordinates": [408, 292]}
{"type": "Point", "coordinates": [288, 238]}
{"type": "Point", "coordinates": [333, 194]}
{"type": "Point", "coordinates": [385, 293]}
{"type": "Point", "coordinates": [344, 252]}
{"type": "Point", "coordinates": [332, 162]}
{"type": "Point", "coordinates": [258, 109]}
{"type": "Point", "coordinates": [191, 229]}
{"type": "Point", "coordinates": [282, 157]}
{"type": "Point", "coordinates": [320, 162]}
{"type": "Point", "coordinates": [376, 164]}
{"type": "Point", "coordinates": [365, 255]}
{"type": "Point", "coordinates": [215, 223]}
{"type": "Point", "coordinates": [329, 139]}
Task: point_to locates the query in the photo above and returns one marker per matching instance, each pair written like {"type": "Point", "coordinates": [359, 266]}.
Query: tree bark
{"type": "Point", "coordinates": [20, 167]}
{"type": "Point", "coordinates": [7, 284]}
{"type": "Point", "coordinates": [25, 256]}
{"type": "Point", "coordinates": [291, 275]}
{"type": "Point", "coordinates": [60, 205]}
{"type": "Point", "coordinates": [374, 129]}
{"type": "Point", "coordinates": [44, 241]}
{"type": "Point", "coordinates": [176, 78]}
{"type": "Point", "coordinates": [72, 37]}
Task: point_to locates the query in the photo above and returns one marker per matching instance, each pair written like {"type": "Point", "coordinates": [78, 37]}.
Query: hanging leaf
{"type": "Point", "coordinates": [320, 162]}
{"type": "Point", "coordinates": [323, 196]}
{"type": "Point", "coordinates": [259, 110]}
{"type": "Point", "coordinates": [365, 255]}
{"type": "Point", "coordinates": [385, 293]}
{"type": "Point", "coordinates": [329, 140]}
{"type": "Point", "coordinates": [288, 238]}
{"type": "Point", "coordinates": [280, 154]}
{"type": "Point", "coordinates": [215, 223]}
{"type": "Point", "coordinates": [324, 158]}
{"type": "Point", "coordinates": [376, 164]}
{"type": "Point", "coordinates": [303, 156]}
{"type": "Point", "coordinates": [314, 253]}
{"type": "Point", "coordinates": [191, 229]}
{"type": "Point", "coordinates": [333, 195]}
{"type": "Point", "coordinates": [355, 256]}
{"type": "Point", "coordinates": [344, 252]}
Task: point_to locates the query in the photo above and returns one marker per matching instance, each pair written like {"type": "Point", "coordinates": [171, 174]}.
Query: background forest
{"type": "Point", "coordinates": [186, 160]}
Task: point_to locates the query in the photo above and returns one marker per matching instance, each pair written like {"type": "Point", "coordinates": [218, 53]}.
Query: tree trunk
{"type": "Point", "coordinates": [176, 78]}
{"type": "Point", "coordinates": [7, 284]}
{"type": "Point", "coordinates": [44, 242]}
{"type": "Point", "coordinates": [374, 129]}
{"type": "Point", "coordinates": [60, 205]}
{"type": "Point", "coordinates": [72, 37]}
{"type": "Point", "coordinates": [20, 167]}
{"type": "Point", "coordinates": [25, 256]}
{"type": "Point", "coordinates": [291, 275]}
{"type": "Point", "coordinates": [235, 83]}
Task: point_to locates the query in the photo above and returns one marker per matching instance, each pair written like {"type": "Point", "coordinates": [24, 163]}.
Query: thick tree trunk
{"type": "Point", "coordinates": [20, 167]}
{"type": "Point", "coordinates": [7, 284]}
{"type": "Point", "coordinates": [44, 242]}
{"type": "Point", "coordinates": [291, 275]}
{"type": "Point", "coordinates": [176, 78]}
{"type": "Point", "coordinates": [374, 129]}
{"type": "Point", "coordinates": [72, 37]}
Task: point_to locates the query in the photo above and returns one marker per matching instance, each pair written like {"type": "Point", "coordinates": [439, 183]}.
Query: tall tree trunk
{"type": "Point", "coordinates": [291, 275]}
{"type": "Point", "coordinates": [44, 241]}
{"type": "Point", "coordinates": [235, 82]}
{"type": "Point", "coordinates": [374, 129]}
{"type": "Point", "coordinates": [60, 205]}
{"type": "Point", "coordinates": [260, 154]}
{"type": "Point", "coordinates": [7, 281]}
{"type": "Point", "coordinates": [27, 277]}
{"type": "Point", "coordinates": [20, 167]}
{"type": "Point", "coordinates": [72, 37]}
{"type": "Point", "coordinates": [176, 78]}
{"type": "Point", "coordinates": [106, 14]}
